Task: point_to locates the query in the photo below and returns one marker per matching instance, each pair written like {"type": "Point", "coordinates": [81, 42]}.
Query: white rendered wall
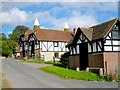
{"type": "Point", "coordinates": [71, 51]}
{"type": "Point", "coordinates": [115, 48]}
{"type": "Point", "coordinates": [20, 48]}
{"type": "Point", "coordinates": [94, 47]}
{"type": "Point", "coordinates": [89, 48]}
{"type": "Point", "coordinates": [108, 42]}
{"type": "Point", "coordinates": [115, 42]}
{"type": "Point", "coordinates": [79, 41]}
{"type": "Point", "coordinates": [44, 46]}
{"type": "Point", "coordinates": [50, 46]}
{"type": "Point", "coordinates": [49, 55]}
{"type": "Point", "coordinates": [108, 48]}
{"type": "Point", "coordinates": [77, 48]}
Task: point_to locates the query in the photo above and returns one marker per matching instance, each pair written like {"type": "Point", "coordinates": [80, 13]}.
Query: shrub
{"type": "Point", "coordinates": [64, 59]}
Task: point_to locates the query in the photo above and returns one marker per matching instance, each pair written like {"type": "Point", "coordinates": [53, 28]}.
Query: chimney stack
{"type": "Point", "coordinates": [36, 25]}
{"type": "Point", "coordinates": [66, 28]}
{"type": "Point", "coordinates": [75, 30]}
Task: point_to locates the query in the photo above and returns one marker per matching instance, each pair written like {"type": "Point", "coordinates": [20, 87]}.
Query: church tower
{"type": "Point", "coordinates": [66, 28]}
{"type": "Point", "coordinates": [36, 25]}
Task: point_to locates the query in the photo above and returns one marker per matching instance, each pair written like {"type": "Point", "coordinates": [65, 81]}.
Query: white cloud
{"type": "Point", "coordinates": [61, 0]}
{"type": "Point", "coordinates": [14, 16]}
{"type": "Point", "coordinates": [79, 20]}
{"type": "Point", "coordinates": [107, 6]}
{"type": "Point", "coordinates": [100, 6]}
{"type": "Point", "coordinates": [43, 27]}
{"type": "Point", "coordinates": [9, 32]}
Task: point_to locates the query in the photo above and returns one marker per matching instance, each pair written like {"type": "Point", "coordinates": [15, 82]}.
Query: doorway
{"type": "Point", "coordinates": [32, 48]}
{"type": "Point", "coordinates": [83, 56]}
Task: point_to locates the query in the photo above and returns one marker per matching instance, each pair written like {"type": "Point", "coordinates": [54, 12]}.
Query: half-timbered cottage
{"type": "Point", "coordinates": [96, 47]}
{"type": "Point", "coordinates": [44, 43]}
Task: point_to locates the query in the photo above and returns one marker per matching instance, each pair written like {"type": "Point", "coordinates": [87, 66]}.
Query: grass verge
{"type": "Point", "coordinates": [71, 74]}
{"type": "Point", "coordinates": [37, 61]}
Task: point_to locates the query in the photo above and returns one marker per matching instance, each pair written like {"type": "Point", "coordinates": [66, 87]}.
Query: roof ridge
{"type": "Point", "coordinates": [104, 22]}
{"type": "Point", "coordinates": [53, 30]}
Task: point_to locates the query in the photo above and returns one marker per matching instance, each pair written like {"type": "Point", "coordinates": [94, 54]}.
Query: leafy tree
{"type": "Point", "coordinates": [17, 32]}
{"type": "Point", "coordinates": [2, 36]}
{"type": "Point", "coordinates": [8, 47]}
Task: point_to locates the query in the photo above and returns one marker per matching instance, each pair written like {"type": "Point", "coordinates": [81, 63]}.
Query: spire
{"type": "Point", "coordinates": [66, 28]}
{"type": "Point", "coordinates": [36, 24]}
{"type": "Point", "coordinates": [66, 25]}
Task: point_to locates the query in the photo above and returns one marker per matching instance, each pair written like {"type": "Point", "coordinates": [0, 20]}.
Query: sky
{"type": "Point", "coordinates": [54, 14]}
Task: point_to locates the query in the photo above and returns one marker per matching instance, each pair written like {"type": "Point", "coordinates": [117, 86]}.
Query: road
{"type": "Point", "coordinates": [21, 75]}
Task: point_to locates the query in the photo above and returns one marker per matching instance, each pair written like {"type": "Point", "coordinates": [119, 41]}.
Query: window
{"type": "Point", "coordinates": [21, 44]}
{"type": "Point", "coordinates": [56, 54]}
{"type": "Point", "coordinates": [116, 34]}
{"type": "Point", "coordinates": [55, 44]}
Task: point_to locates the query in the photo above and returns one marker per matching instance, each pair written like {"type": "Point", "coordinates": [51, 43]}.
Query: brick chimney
{"type": "Point", "coordinates": [75, 30]}
{"type": "Point", "coordinates": [66, 28]}
{"type": "Point", "coordinates": [36, 25]}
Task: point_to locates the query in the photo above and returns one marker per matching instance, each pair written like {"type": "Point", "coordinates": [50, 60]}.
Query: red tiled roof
{"type": "Point", "coordinates": [52, 35]}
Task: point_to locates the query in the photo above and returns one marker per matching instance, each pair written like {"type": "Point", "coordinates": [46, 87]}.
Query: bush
{"type": "Point", "coordinates": [64, 59]}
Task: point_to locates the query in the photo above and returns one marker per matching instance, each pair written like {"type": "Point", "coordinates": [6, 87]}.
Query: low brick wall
{"type": "Point", "coordinates": [74, 62]}
{"type": "Point", "coordinates": [111, 60]}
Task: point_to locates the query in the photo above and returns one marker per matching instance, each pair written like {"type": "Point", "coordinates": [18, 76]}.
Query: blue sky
{"type": "Point", "coordinates": [53, 15]}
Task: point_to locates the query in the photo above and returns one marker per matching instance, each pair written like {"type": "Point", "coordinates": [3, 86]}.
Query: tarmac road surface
{"type": "Point", "coordinates": [21, 75]}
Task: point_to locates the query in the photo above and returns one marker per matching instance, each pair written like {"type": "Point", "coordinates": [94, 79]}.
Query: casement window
{"type": "Point", "coordinates": [55, 44]}
{"type": "Point", "coordinates": [116, 34]}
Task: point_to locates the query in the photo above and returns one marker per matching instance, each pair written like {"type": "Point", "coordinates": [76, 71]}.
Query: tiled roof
{"type": "Point", "coordinates": [88, 32]}
{"type": "Point", "coordinates": [52, 35]}
{"type": "Point", "coordinates": [95, 32]}
{"type": "Point", "coordinates": [26, 34]}
{"type": "Point", "coordinates": [49, 35]}
{"type": "Point", "coordinates": [98, 31]}
{"type": "Point", "coordinates": [101, 30]}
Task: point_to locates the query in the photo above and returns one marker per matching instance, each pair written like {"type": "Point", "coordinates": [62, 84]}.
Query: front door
{"type": "Point", "coordinates": [83, 56]}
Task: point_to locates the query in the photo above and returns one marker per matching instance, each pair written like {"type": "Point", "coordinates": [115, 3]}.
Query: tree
{"type": "Point", "coordinates": [17, 32]}
{"type": "Point", "coordinates": [2, 36]}
{"type": "Point", "coordinates": [8, 47]}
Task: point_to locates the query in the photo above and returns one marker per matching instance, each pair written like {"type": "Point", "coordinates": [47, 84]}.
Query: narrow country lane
{"type": "Point", "coordinates": [25, 76]}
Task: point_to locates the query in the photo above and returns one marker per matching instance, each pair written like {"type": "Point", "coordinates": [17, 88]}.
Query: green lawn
{"type": "Point", "coordinates": [37, 61]}
{"type": "Point", "coordinates": [71, 74]}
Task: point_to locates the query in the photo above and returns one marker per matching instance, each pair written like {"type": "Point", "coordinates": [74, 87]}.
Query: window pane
{"type": "Point", "coordinates": [116, 34]}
